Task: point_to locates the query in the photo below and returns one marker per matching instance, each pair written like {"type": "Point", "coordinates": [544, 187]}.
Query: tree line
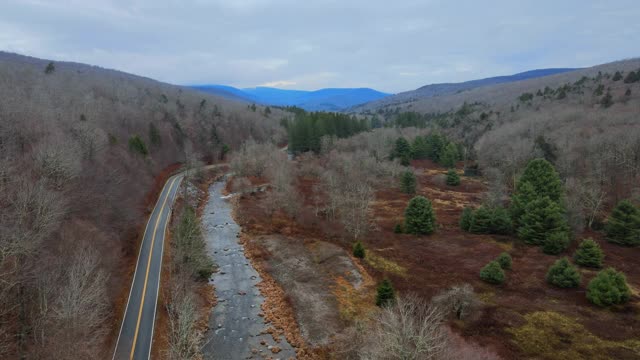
{"type": "Point", "coordinates": [307, 129]}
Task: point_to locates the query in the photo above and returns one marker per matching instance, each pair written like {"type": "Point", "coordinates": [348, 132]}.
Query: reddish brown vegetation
{"type": "Point", "coordinates": [451, 256]}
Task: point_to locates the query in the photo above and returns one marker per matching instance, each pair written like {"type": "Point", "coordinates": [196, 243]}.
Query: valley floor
{"type": "Point", "coordinates": [523, 318]}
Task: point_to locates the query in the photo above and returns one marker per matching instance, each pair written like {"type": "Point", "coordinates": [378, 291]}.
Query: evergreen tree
{"type": "Point", "coordinates": [358, 250]}
{"type": "Point", "coordinates": [398, 229]}
{"type": "Point", "coordinates": [623, 225]}
{"type": "Point", "coordinates": [555, 243]}
{"type": "Point", "coordinates": [542, 218]}
{"type": "Point", "coordinates": [481, 222]}
{"type": "Point", "coordinates": [617, 76]}
{"type": "Point", "coordinates": [419, 148]}
{"type": "Point", "coordinates": [452, 178]}
{"type": "Point", "coordinates": [589, 254]}
{"type": "Point", "coordinates": [50, 68]}
{"type": "Point", "coordinates": [631, 77]}
{"type": "Point", "coordinates": [449, 155]}
{"type": "Point", "coordinates": [385, 294]}
{"type": "Point", "coordinates": [402, 151]}
{"type": "Point", "coordinates": [419, 217]}
{"type": "Point", "coordinates": [408, 182]}
{"type": "Point", "coordinates": [435, 146]}
{"type": "Point", "coordinates": [539, 179]}
{"type": "Point", "coordinates": [504, 260]}
{"type": "Point", "coordinates": [607, 100]}
{"type": "Point", "coordinates": [544, 178]}
{"type": "Point", "coordinates": [492, 273]}
{"type": "Point", "coordinates": [609, 287]}
{"type": "Point", "coordinates": [524, 194]}
{"type": "Point", "coordinates": [563, 274]}
{"type": "Point", "coordinates": [501, 221]}
{"type": "Point", "coordinates": [466, 218]}
{"type": "Point", "coordinates": [136, 144]}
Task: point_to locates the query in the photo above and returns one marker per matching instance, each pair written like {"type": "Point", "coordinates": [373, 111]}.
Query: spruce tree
{"type": "Point", "coordinates": [385, 293]}
{"type": "Point", "coordinates": [435, 146]}
{"type": "Point", "coordinates": [398, 229]}
{"type": "Point", "coordinates": [563, 274]}
{"type": "Point", "coordinates": [402, 151]}
{"type": "Point", "coordinates": [623, 225]}
{"type": "Point", "coordinates": [466, 218]}
{"type": "Point", "coordinates": [504, 260]}
{"type": "Point", "coordinates": [419, 217]}
{"type": "Point", "coordinates": [492, 273]}
{"type": "Point", "coordinates": [555, 243]}
{"type": "Point", "coordinates": [500, 221]}
{"type": "Point", "coordinates": [452, 178]}
{"type": "Point", "coordinates": [609, 287]}
{"type": "Point", "coordinates": [589, 254]}
{"type": "Point", "coordinates": [419, 148]}
{"type": "Point", "coordinates": [481, 223]}
{"type": "Point", "coordinates": [449, 155]}
{"type": "Point", "coordinates": [538, 180]}
{"type": "Point", "coordinates": [408, 182]}
{"type": "Point", "coordinates": [524, 194]}
{"type": "Point", "coordinates": [358, 250]}
{"type": "Point", "coordinates": [617, 76]}
{"type": "Point", "coordinates": [542, 218]}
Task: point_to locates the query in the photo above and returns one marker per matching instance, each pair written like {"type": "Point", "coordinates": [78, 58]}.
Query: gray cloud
{"type": "Point", "coordinates": [391, 46]}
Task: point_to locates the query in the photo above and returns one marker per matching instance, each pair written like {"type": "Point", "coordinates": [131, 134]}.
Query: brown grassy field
{"type": "Point", "coordinates": [524, 317]}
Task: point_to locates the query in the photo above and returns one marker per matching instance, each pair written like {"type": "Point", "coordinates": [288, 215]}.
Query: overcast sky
{"type": "Point", "coordinates": [307, 44]}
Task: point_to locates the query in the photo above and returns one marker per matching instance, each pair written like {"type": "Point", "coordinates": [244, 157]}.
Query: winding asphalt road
{"type": "Point", "coordinates": [136, 332]}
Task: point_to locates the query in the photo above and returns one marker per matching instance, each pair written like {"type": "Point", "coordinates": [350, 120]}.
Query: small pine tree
{"type": "Point", "coordinates": [617, 76]}
{"type": "Point", "coordinates": [358, 250]}
{"type": "Point", "coordinates": [419, 216]}
{"type": "Point", "coordinates": [402, 151]}
{"type": "Point", "coordinates": [492, 273]}
{"type": "Point", "coordinates": [137, 145]}
{"type": "Point", "coordinates": [501, 221]}
{"type": "Point", "coordinates": [555, 243]}
{"type": "Point", "coordinates": [504, 260]}
{"type": "Point", "coordinates": [563, 274]}
{"type": "Point", "coordinates": [607, 100]}
{"type": "Point", "coordinates": [631, 77]}
{"type": "Point", "coordinates": [481, 223]}
{"type": "Point", "coordinates": [385, 293]}
{"type": "Point", "coordinates": [398, 229]}
{"type": "Point", "coordinates": [623, 225]}
{"type": "Point", "coordinates": [419, 148]}
{"type": "Point", "coordinates": [589, 254]}
{"type": "Point", "coordinates": [50, 68]}
{"type": "Point", "coordinates": [452, 178]}
{"type": "Point", "coordinates": [628, 92]}
{"type": "Point", "coordinates": [466, 218]}
{"type": "Point", "coordinates": [609, 287]}
{"type": "Point", "coordinates": [449, 155]}
{"type": "Point", "coordinates": [542, 218]}
{"type": "Point", "coordinates": [408, 182]}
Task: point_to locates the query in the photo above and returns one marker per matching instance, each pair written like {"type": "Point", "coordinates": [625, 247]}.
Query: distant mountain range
{"type": "Point", "coordinates": [443, 89]}
{"type": "Point", "coordinates": [318, 100]}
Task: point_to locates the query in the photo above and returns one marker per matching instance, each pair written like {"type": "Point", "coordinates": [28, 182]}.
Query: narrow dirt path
{"type": "Point", "coordinates": [236, 331]}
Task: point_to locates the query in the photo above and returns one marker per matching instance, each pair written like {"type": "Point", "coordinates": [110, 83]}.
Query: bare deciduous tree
{"type": "Point", "coordinates": [410, 329]}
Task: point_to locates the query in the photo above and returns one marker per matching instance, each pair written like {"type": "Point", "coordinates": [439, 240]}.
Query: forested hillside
{"type": "Point", "coordinates": [80, 147]}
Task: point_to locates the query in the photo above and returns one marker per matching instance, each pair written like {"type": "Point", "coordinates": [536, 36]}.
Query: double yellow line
{"type": "Point", "coordinates": [146, 277]}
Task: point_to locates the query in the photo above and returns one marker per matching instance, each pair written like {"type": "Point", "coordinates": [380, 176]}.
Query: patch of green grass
{"type": "Point", "coordinates": [550, 335]}
{"type": "Point", "coordinates": [379, 263]}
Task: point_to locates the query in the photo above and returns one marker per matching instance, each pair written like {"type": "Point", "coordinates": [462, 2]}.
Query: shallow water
{"type": "Point", "coordinates": [234, 325]}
